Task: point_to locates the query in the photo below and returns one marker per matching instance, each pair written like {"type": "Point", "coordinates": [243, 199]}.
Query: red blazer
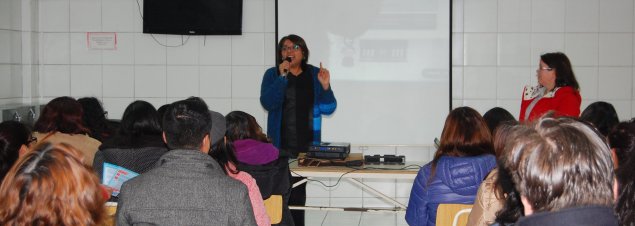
{"type": "Point", "coordinates": [565, 101]}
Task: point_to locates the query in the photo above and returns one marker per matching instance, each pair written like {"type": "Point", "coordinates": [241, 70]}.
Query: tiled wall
{"type": "Point", "coordinates": [497, 45]}
{"type": "Point", "coordinates": [10, 51]}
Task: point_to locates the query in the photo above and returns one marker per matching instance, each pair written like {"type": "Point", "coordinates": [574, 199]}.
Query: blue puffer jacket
{"type": "Point", "coordinates": [456, 181]}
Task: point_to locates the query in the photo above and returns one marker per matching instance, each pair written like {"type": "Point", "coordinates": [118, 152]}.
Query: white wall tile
{"type": "Point", "coordinates": [80, 53]}
{"type": "Point", "coordinates": [547, 15]}
{"type": "Point", "coordinates": [55, 80]}
{"type": "Point", "coordinates": [270, 49]}
{"type": "Point", "coordinates": [248, 49]}
{"type": "Point", "coordinates": [616, 15]}
{"type": "Point", "coordinates": [5, 46]}
{"type": "Point", "coordinates": [255, 22]}
{"type": "Point", "coordinates": [544, 43]}
{"type": "Point", "coordinates": [457, 49]}
{"type": "Point", "coordinates": [187, 51]}
{"type": "Point", "coordinates": [582, 48]}
{"type": "Point", "coordinates": [29, 50]}
{"type": "Point", "coordinates": [125, 52]}
{"type": "Point", "coordinates": [16, 47]}
{"type": "Point", "coordinates": [513, 106]}
{"type": "Point", "coordinates": [510, 82]}
{"type": "Point", "coordinates": [616, 83]}
{"type": "Point", "coordinates": [377, 219]}
{"type": "Point", "coordinates": [481, 105]}
{"type": "Point", "coordinates": [5, 80]}
{"type": "Point", "coordinates": [215, 50]}
{"type": "Point", "coordinates": [118, 15]}
{"type": "Point", "coordinates": [457, 82]}
{"type": "Point", "coordinates": [54, 16]}
{"type": "Point", "coordinates": [378, 150]}
{"type": "Point", "coordinates": [344, 189]}
{"type": "Point", "coordinates": [6, 14]}
{"type": "Point", "coordinates": [215, 81]}
{"type": "Point", "coordinates": [270, 16]}
{"type": "Point", "coordinates": [16, 81]}
{"type": "Point", "coordinates": [85, 15]}
{"type": "Point", "coordinates": [514, 16]}
{"type": "Point", "coordinates": [480, 49]}
{"type": "Point", "coordinates": [182, 81]}
{"type": "Point", "coordinates": [150, 81]}
{"type": "Point", "coordinates": [588, 80]}
{"type": "Point", "coordinates": [343, 202]}
{"type": "Point", "coordinates": [404, 187]}
{"type": "Point", "coordinates": [385, 186]}
{"type": "Point", "coordinates": [157, 102]}
{"type": "Point", "coordinates": [458, 9]}
{"type": "Point", "coordinates": [616, 49]}
{"type": "Point", "coordinates": [514, 49]}
{"type": "Point", "coordinates": [55, 48]}
{"type": "Point", "coordinates": [480, 16]}
{"type": "Point", "coordinates": [623, 108]}
{"type": "Point", "coordinates": [417, 155]}
{"type": "Point", "coordinates": [118, 81]}
{"type": "Point", "coordinates": [116, 106]}
{"type": "Point", "coordinates": [251, 106]}
{"type": "Point", "coordinates": [221, 105]}
{"type": "Point", "coordinates": [246, 81]}
{"type": "Point", "coordinates": [86, 80]}
{"type": "Point", "coordinates": [582, 15]}
{"type": "Point", "coordinates": [149, 50]}
{"type": "Point", "coordinates": [479, 82]}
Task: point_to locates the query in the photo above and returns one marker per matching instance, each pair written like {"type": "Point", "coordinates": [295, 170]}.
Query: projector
{"type": "Point", "coordinates": [329, 150]}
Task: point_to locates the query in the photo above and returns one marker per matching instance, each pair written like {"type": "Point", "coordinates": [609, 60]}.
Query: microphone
{"type": "Point", "coordinates": [285, 71]}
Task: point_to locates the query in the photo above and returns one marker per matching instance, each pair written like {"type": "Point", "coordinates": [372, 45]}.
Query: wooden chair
{"type": "Point", "coordinates": [453, 214]}
{"type": "Point", "coordinates": [111, 209]}
{"type": "Point", "coordinates": [273, 206]}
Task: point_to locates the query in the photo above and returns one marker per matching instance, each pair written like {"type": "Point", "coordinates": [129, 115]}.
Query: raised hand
{"type": "Point", "coordinates": [324, 77]}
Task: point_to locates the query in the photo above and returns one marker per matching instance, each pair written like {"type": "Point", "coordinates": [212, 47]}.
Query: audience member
{"type": "Point", "coordinates": [187, 187]}
{"type": "Point", "coordinates": [51, 186]}
{"type": "Point", "coordinates": [95, 119]}
{"type": "Point", "coordinates": [497, 200]}
{"type": "Point", "coordinates": [564, 173]}
{"type": "Point", "coordinates": [15, 139]}
{"type": "Point", "coordinates": [602, 115]}
{"type": "Point", "coordinates": [223, 152]}
{"type": "Point", "coordinates": [497, 116]}
{"type": "Point", "coordinates": [557, 89]}
{"type": "Point", "coordinates": [138, 143]}
{"type": "Point", "coordinates": [463, 159]}
{"type": "Point", "coordinates": [622, 143]}
{"type": "Point", "coordinates": [252, 145]}
{"type": "Point", "coordinates": [61, 121]}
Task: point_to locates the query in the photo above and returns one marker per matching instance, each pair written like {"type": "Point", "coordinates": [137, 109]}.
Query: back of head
{"type": "Point", "coordinates": [51, 186]}
{"type": "Point", "coordinates": [625, 206]}
{"type": "Point", "coordinates": [560, 163]}
{"type": "Point", "coordinates": [564, 71]}
{"type": "Point", "coordinates": [496, 116]}
{"type": "Point", "coordinates": [186, 123]}
{"type": "Point", "coordinates": [62, 114]}
{"type": "Point", "coordinates": [465, 133]}
{"type": "Point", "coordinates": [241, 125]}
{"type": "Point", "coordinates": [622, 139]}
{"type": "Point", "coordinates": [12, 136]}
{"type": "Point", "coordinates": [95, 117]}
{"type": "Point", "coordinates": [602, 115]}
{"type": "Point", "coordinates": [139, 118]}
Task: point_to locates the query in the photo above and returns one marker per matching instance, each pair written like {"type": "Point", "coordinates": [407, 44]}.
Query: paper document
{"type": "Point", "coordinates": [115, 175]}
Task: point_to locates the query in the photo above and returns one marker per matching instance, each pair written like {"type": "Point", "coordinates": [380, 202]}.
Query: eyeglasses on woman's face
{"type": "Point", "coordinates": [290, 48]}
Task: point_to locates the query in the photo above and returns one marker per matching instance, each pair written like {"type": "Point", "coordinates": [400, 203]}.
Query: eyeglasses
{"type": "Point", "coordinates": [543, 69]}
{"type": "Point", "coordinates": [292, 48]}
{"type": "Point", "coordinates": [31, 140]}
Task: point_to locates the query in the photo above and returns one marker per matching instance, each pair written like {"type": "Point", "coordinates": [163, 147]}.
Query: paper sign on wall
{"type": "Point", "coordinates": [102, 40]}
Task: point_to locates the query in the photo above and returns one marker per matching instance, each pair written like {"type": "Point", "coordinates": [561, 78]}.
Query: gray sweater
{"type": "Point", "coordinates": [186, 188]}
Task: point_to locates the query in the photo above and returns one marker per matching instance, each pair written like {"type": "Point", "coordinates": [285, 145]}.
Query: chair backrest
{"type": "Point", "coordinates": [453, 214]}
{"type": "Point", "coordinates": [273, 206]}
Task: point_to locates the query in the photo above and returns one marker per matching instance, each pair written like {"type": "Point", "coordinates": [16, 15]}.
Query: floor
{"type": "Point", "coordinates": [349, 218]}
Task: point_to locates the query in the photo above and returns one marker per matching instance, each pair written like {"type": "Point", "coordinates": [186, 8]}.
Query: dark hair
{"type": "Point", "coordinates": [62, 114]}
{"type": "Point", "coordinates": [496, 116]}
{"type": "Point", "coordinates": [95, 118]}
{"type": "Point", "coordinates": [223, 153]}
{"type": "Point", "coordinates": [139, 119]}
{"type": "Point", "coordinates": [12, 136]}
{"type": "Point", "coordinates": [622, 139]}
{"type": "Point", "coordinates": [241, 125]}
{"type": "Point", "coordinates": [465, 133]}
{"type": "Point", "coordinates": [504, 189]}
{"type": "Point", "coordinates": [186, 123]}
{"type": "Point", "coordinates": [161, 112]}
{"type": "Point", "coordinates": [602, 115]}
{"type": "Point", "coordinates": [295, 40]}
{"type": "Point", "coordinates": [625, 206]}
{"type": "Point", "coordinates": [564, 72]}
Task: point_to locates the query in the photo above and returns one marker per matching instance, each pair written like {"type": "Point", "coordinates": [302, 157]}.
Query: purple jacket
{"type": "Point", "coordinates": [456, 181]}
{"type": "Point", "coordinates": [253, 152]}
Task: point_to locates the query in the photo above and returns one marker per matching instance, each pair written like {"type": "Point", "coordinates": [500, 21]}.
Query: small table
{"type": "Point", "coordinates": [353, 174]}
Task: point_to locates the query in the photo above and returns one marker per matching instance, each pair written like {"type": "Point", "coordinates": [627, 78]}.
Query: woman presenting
{"type": "Point", "coordinates": [557, 89]}
{"type": "Point", "coordinates": [296, 95]}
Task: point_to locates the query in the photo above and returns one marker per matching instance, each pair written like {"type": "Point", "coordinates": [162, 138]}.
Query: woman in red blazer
{"type": "Point", "coordinates": [557, 89]}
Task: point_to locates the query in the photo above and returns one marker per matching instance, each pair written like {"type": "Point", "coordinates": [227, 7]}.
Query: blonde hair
{"type": "Point", "coordinates": [51, 186]}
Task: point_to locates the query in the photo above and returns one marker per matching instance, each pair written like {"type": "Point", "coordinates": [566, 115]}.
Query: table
{"type": "Point", "coordinates": [354, 174]}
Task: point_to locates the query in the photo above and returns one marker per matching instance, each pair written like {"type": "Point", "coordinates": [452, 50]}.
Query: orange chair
{"type": "Point", "coordinates": [453, 214]}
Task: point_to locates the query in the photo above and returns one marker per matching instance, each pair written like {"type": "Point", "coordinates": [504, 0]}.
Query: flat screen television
{"type": "Point", "coordinates": [193, 17]}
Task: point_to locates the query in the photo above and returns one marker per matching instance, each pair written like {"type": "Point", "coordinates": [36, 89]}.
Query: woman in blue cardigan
{"type": "Point", "coordinates": [296, 95]}
{"type": "Point", "coordinates": [464, 158]}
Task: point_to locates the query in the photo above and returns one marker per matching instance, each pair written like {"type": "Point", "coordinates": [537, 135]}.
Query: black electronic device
{"type": "Point", "coordinates": [193, 17]}
{"type": "Point", "coordinates": [385, 159]}
{"type": "Point", "coordinates": [329, 150]}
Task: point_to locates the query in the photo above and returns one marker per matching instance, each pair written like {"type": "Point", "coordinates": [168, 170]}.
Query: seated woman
{"type": "Point", "coordinates": [622, 143]}
{"type": "Point", "coordinates": [138, 143]}
{"type": "Point", "coordinates": [95, 119]}
{"type": "Point", "coordinates": [61, 122]}
{"type": "Point", "coordinates": [223, 152]}
{"type": "Point", "coordinates": [464, 157]}
{"type": "Point", "coordinates": [51, 186]}
{"type": "Point", "coordinates": [252, 145]}
{"type": "Point", "coordinates": [602, 115]}
{"type": "Point", "coordinates": [15, 139]}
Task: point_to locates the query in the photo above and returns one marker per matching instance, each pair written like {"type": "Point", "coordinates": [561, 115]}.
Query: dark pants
{"type": "Point", "coordinates": [297, 198]}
